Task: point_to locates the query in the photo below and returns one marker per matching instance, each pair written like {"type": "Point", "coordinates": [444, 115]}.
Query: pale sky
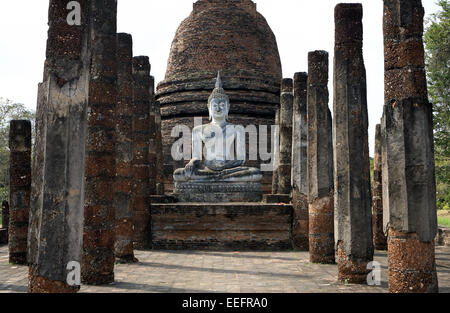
{"type": "Point", "coordinates": [300, 26]}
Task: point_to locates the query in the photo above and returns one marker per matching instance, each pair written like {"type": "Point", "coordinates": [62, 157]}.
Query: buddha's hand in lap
{"type": "Point", "coordinates": [190, 168]}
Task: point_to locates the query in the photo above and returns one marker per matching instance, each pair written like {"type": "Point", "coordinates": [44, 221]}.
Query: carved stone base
{"type": "Point", "coordinates": [218, 192]}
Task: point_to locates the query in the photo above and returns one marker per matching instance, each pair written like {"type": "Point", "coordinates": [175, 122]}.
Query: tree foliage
{"type": "Point", "coordinates": [437, 55]}
{"type": "Point", "coordinates": [9, 111]}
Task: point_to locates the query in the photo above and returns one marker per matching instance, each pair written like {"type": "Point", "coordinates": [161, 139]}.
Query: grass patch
{"type": "Point", "coordinates": [444, 221]}
{"type": "Point", "coordinates": [443, 218]}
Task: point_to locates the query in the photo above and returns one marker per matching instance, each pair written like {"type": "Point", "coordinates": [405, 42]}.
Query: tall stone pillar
{"type": "Point", "coordinates": [124, 228]}
{"type": "Point", "coordinates": [20, 189]}
{"type": "Point", "coordinates": [409, 188]}
{"type": "Point", "coordinates": [300, 229]}
{"type": "Point", "coordinates": [276, 155]}
{"type": "Point", "coordinates": [352, 197]}
{"type": "Point", "coordinates": [379, 238]}
{"type": "Point", "coordinates": [56, 212]}
{"type": "Point", "coordinates": [141, 141]}
{"type": "Point", "coordinates": [159, 149]}
{"type": "Point", "coordinates": [286, 107]}
{"type": "Point", "coordinates": [97, 265]}
{"type": "Point", "coordinates": [320, 161]}
{"type": "Point", "coordinates": [153, 141]}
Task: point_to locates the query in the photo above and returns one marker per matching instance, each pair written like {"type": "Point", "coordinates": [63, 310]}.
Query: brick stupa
{"type": "Point", "coordinates": [228, 36]}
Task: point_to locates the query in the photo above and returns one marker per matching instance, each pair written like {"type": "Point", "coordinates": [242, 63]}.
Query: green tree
{"type": "Point", "coordinates": [9, 111]}
{"type": "Point", "coordinates": [437, 55]}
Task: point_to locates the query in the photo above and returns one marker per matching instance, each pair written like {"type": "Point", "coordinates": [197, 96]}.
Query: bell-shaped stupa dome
{"type": "Point", "coordinates": [228, 36]}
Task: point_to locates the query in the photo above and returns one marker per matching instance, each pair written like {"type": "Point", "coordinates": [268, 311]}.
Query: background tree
{"type": "Point", "coordinates": [437, 50]}
{"type": "Point", "coordinates": [10, 111]}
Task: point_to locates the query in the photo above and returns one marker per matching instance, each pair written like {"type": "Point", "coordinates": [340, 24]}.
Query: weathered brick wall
{"type": "Point", "coordinates": [230, 36]}
{"type": "Point", "coordinates": [221, 226]}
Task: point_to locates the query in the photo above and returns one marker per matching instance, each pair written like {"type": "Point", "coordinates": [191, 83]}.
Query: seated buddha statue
{"type": "Point", "coordinates": [225, 148]}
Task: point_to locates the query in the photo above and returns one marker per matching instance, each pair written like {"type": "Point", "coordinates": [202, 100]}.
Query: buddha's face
{"type": "Point", "coordinates": [218, 109]}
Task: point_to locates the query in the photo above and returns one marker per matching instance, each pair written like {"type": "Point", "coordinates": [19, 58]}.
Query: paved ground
{"type": "Point", "coordinates": [246, 272]}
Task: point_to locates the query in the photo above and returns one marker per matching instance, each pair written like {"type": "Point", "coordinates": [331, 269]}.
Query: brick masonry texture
{"type": "Point", "coordinates": [124, 227]}
{"type": "Point", "coordinates": [233, 37]}
{"type": "Point", "coordinates": [97, 266]}
{"type": "Point", "coordinates": [20, 189]}
{"type": "Point", "coordinates": [143, 187]}
{"type": "Point", "coordinates": [237, 226]}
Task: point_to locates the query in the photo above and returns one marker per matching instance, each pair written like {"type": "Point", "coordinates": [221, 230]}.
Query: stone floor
{"type": "Point", "coordinates": [226, 272]}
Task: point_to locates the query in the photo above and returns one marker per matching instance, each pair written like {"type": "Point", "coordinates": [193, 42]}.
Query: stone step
{"type": "Point", "coordinates": [221, 226]}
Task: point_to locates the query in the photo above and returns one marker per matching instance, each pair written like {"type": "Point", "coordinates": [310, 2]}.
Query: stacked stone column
{"type": "Point", "coordinates": [159, 149]}
{"type": "Point", "coordinates": [353, 212]}
{"type": "Point", "coordinates": [56, 213]}
{"type": "Point", "coordinates": [141, 141]}
{"type": "Point", "coordinates": [300, 229]}
{"type": "Point", "coordinates": [286, 107]}
{"type": "Point", "coordinates": [320, 161]}
{"type": "Point", "coordinates": [276, 155]}
{"type": "Point", "coordinates": [124, 228]}
{"type": "Point", "coordinates": [20, 189]}
{"type": "Point", "coordinates": [379, 238]}
{"type": "Point", "coordinates": [153, 141]}
{"type": "Point", "coordinates": [99, 210]}
{"type": "Point", "coordinates": [409, 189]}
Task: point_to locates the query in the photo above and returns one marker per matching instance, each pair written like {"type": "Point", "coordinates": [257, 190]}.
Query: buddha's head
{"type": "Point", "coordinates": [218, 102]}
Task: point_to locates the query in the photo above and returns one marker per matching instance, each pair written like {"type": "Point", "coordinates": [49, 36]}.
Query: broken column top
{"type": "Point", "coordinates": [318, 68]}
{"type": "Point", "coordinates": [378, 139]}
{"type": "Point", "coordinates": [19, 134]}
{"type": "Point", "coordinates": [300, 89]}
{"type": "Point", "coordinates": [141, 64]}
{"type": "Point", "coordinates": [348, 21]}
{"type": "Point", "coordinates": [300, 78]}
{"type": "Point", "coordinates": [125, 42]}
{"type": "Point", "coordinates": [403, 18]}
{"type": "Point", "coordinates": [287, 85]}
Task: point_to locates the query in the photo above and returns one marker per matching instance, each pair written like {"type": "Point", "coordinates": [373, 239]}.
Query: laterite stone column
{"type": "Point", "coordinates": [5, 214]}
{"type": "Point", "coordinates": [286, 111]}
{"type": "Point", "coordinates": [153, 141]}
{"type": "Point", "coordinates": [352, 196]}
{"type": "Point", "coordinates": [379, 238]}
{"type": "Point", "coordinates": [409, 188]}
{"type": "Point", "coordinates": [320, 161]}
{"type": "Point", "coordinates": [141, 141]}
{"type": "Point", "coordinates": [276, 155]}
{"type": "Point", "coordinates": [159, 149]}
{"type": "Point", "coordinates": [300, 229]}
{"type": "Point", "coordinates": [124, 228]}
{"type": "Point", "coordinates": [20, 189]}
{"type": "Point", "coordinates": [56, 211]}
{"type": "Point", "coordinates": [97, 267]}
